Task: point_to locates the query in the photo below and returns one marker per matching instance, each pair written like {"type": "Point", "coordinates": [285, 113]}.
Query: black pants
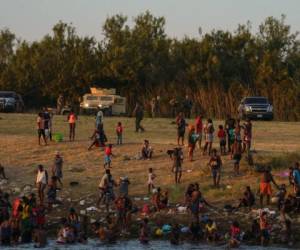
{"type": "Point", "coordinates": [138, 124]}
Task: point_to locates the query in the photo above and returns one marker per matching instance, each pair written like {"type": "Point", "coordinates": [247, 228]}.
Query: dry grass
{"type": "Point", "coordinates": [20, 154]}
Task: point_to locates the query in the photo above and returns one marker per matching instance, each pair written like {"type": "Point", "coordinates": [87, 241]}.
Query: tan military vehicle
{"type": "Point", "coordinates": [106, 100]}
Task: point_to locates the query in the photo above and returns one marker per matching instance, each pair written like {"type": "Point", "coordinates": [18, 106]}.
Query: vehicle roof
{"type": "Point", "coordinates": [8, 92]}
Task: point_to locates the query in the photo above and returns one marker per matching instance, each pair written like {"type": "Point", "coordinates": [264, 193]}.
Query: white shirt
{"type": "Point", "coordinates": [41, 177]}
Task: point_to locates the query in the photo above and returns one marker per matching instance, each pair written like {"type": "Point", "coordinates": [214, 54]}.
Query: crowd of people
{"type": "Point", "coordinates": [24, 220]}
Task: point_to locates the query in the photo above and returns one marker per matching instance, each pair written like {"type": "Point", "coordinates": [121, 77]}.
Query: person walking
{"type": "Point", "coordinates": [139, 116]}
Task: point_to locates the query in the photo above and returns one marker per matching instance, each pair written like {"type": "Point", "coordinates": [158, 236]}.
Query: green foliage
{"type": "Point", "coordinates": [217, 69]}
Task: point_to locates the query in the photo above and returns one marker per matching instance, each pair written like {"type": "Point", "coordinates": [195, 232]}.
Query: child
{"type": "Point", "coordinates": [119, 131]}
{"type": "Point", "coordinates": [235, 235]}
{"type": "Point", "coordinates": [151, 177]}
{"type": "Point", "coordinates": [264, 229]}
{"type": "Point", "coordinates": [181, 124]}
{"type": "Point", "coordinates": [41, 128]}
{"type": "Point", "coordinates": [209, 136]}
{"type": "Point", "coordinates": [211, 231]}
{"type": "Point", "coordinates": [108, 154]}
{"type": "Point", "coordinates": [215, 164]}
{"type": "Point", "coordinates": [222, 139]}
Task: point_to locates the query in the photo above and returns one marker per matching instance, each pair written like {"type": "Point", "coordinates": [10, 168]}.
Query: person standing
{"type": "Point", "coordinates": [47, 123]}
{"type": "Point", "coordinates": [41, 128]}
{"type": "Point", "coordinates": [229, 127]}
{"type": "Point", "coordinates": [177, 164]}
{"type": "Point", "coordinates": [41, 182]}
{"type": "Point", "coordinates": [174, 107]}
{"type": "Point", "coordinates": [72, 118]}
{"type": "Point", "coordinates": [119, 132]}
{"type": "Point", "coordinates": [154, 105]}
{"type": "Point", "coordinates": [99, 118]}
{"type": "Point", "coordinates": [199, 128]}
{"type": "Point", "coordinates": [209, 136]}
{"type": "Point", "coordinates": [236, 155]}
{"type": "Point", "coordinates": [60, 104]}
{"type": "Point", "coordinates": [57, 167]}
{"type": "Point", "coordinates": [139, 116]}
{"type": "Point", "coordinates": [181, 124]}
{"type": "Point", "coordinates": [215, 164]}
{"type": "Point", "coordinates": [187, 107]}
{"type": "Point", "coordinates": [265, 185]}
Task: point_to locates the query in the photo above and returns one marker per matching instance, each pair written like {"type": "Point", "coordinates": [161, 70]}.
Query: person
{"type": "Point", "coordinates": [181, 124]}
{"type": "Point", "coordinates": [73, 221]}
{"type": "Point", "coordinates": [6, 233]}
{"type": "Point", "coordinates": [52, 191]}
{"type": "Point", "coordinates": [215, 164]}
{"type": "Point", "coordinates": [235, 235]}
{"type": "Point", "coordinates": [195, 202]}
{"type": "Point", "coordinates": [265, 185]}
{"type": "Point", "coordinates": [151, 177]}
{"type": "Point", "coordinates": [199, 128]}
{"type": "Point", "coordinates": [209, 136]}
{"type": "Point", "coordinates": [156, 199]}
{"type": "Point", "coordinates": [103, 186]}
{"type": "Point", "coordinates": [119, 132]}
{"type": "Point", "coordinates": [123, 186]}
{"type": "Point", "coordinates": [238, 130]}
{"type": "Point", "coordinates": [247, 136]}
{"type": "Point", "coordinates": [98, 137]}
{"type": "Point", "coordinates": [47, 123]}
{"type": "Point", "coordinates": [139, 116]}
{"type": "Point", "coordinates": [296, 175]}
{"type": "Point", "coordinates": [60, 103]}
{"type": "Point", "coordinates": [211, 232]}
{"type": "Point", "coordinates": [236, 155]}
{"type": "Point", "coordinates": [264, 228]}
{"type": "Point", "coordinates": [281, 195]}
{"type": "Point", "coordinates": [108, 155]}
{"type": "Point", "coordinates": [174, 107]}
{"type": "Point", "coordinates": [222, 139]}
{"type": "Point", "coordinates": [109, 191]}
{"type": "Point", "coordinates": [41, 128]}
{"type": "Point", "coordinates": [144, 232]}
{"type": "Point", "coordinates": [147, 150]}
{"type": "Point", "coordinates": [248, 199]}
{"type": "Point", "coordinates": [192, 140]}
{"type": "Point", "coordinates": [154, 107]}
{"type": "Point", "coordinates": [175, 234]}
{"type": "Point", "coordinates": [121, 213]}
{"type": "Point", "coordinates": [177, 164]}
{"type": "Point", "coordinates": [2, 172]}
{"type": "Point", "coordinates": [229, 127]}
{"type": "Point", "coordinates": [57, 167]}
{"type": "Point", "coordinates": [187, 107]}
{"type": "Point", "coordinates": [72, 118]}
{"type": "Point", "coordinates": [99, 118]}
{"type": "Point", "coordinates": [41, 182]}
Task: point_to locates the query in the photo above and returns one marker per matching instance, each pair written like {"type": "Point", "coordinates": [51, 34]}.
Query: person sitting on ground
{"type": "Point", "coordinates": [2, 172]}
{"type": "Point", "coordinates": [66, 233]}
{"type": "Point", "coordinates": [147, 150]}
{"type": "Point", "coordinates": [211, 232]}
{"type": "Point", "coordinates": [248, 199]}
{"type": "Point", "coordinates": [215, 164]}
{"type": "Point", "coordinates": [235, 235]}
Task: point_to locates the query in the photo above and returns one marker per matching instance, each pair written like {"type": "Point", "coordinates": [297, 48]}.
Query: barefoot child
{"type": "Point", "coordinates": [119, 132]}
{"type": "Point", "coordinates": [107, 157]}
{"type": "Point", "coordinates": [151, 177]}
{"type": "Point", "coordinates": [222, 139]}
{"type": "Point", "coordinates": [215, 164]}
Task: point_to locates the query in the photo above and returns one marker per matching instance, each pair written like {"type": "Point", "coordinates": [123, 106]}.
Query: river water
{"type": "Point", "coordinates": [135, 245]}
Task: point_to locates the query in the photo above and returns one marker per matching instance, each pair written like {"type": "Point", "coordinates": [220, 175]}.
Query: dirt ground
{"type": "Point", "coordinates": [274, 142]}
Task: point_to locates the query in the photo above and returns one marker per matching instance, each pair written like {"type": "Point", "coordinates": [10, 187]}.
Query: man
{"type": "Point", "coordinates": [265, 185]}
{"type": "Point", "coordinates": [177, 164]}
{"type": "Point", "coordinates": [187, 107]}
{"type": "Point", "coordinates": [139, 115]}
{"type": "Point", "coordinates": [60, 103]}
{"type": "Point", "coordinates": [174, 106]}
{"type": "Point", "coordinates": [47, 123]}
{"type": "Point", "coordinates": [229, 126]}
{"type": "Point", "coordinates": [57, 167]}
{"type": "Point", "coordinates": [41, 182]}
{"type": "Point", "coordinates": [154, 105]}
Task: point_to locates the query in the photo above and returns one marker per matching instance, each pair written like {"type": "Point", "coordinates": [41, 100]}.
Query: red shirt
{"type": "Point", "coordinates": [199, 125]}
{"type": "Point", "coordinates": [221, 133]}
{"type": "Point", "coordinates": [108, 151]}
{"type": "Point", "coordinates": [119, 129]}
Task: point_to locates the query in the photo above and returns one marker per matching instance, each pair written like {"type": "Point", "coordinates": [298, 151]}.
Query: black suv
{"type": "Point", "coordinates": [10, 101]}
{"type": "Point", "coordinates": [255, 107]}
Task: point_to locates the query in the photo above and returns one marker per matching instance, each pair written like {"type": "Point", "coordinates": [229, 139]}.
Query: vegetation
{"type": "Point", "coordinates": [217, 69]}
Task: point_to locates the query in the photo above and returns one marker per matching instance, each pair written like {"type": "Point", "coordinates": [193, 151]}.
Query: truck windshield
{"type": "Point", "coordinates": [106, 98]}
{"type": "Point", "coordinates": [92, 98]}
{"type": "Point", "coordinates": [7, 95]}
{"type": "Point", "coordinates": [256, 100]}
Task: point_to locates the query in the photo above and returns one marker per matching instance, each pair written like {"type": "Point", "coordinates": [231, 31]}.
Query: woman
{"type": "Point", "coordinates": [209, 136]}
{"type": "Point", "coordinates": [41, 182]}
{"type": "Point", "coordinates": [72, 124]}
{"type": "Point", "coordinates": [215, 164]}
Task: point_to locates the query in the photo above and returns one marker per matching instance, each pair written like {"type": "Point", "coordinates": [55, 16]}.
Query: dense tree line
{"type": "Point", "coordinates": [216, 69]}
